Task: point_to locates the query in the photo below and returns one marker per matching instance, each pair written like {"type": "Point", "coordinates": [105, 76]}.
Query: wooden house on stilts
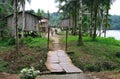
{"type": "Point", "coordinates": [32, 23]}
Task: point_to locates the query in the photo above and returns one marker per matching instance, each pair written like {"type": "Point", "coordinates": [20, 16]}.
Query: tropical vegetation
{"type": "Point", "coordinates": [95, 13]}
{"type": "Point", "coordinates": [87, 49]}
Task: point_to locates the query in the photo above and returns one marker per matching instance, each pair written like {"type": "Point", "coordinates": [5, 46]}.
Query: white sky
{"type": "Point", "coordinates": [115, 8]}
{"type": "Point", "coordinates": [42, 4]}
{"type": "Point", "coordinates": [51, 6]}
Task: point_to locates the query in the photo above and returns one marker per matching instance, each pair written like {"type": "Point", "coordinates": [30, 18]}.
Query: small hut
{"type": "Point", "coordinates": [66, 22]}
{"type": "Point", "coordinates": [31, 22]}
{"type": "Point", "coordinates": [44, 25]}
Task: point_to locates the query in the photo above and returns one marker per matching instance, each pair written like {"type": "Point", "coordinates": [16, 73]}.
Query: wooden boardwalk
{"type": "Point", "coordinates": [59, 61]}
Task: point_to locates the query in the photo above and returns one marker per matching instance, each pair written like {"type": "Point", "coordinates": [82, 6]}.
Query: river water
{"type": "Point", "coordinates": [113, 33]}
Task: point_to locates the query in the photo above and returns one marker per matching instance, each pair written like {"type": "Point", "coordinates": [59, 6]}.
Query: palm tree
{"type": "Point", "coordinates": [22, 3]}
{"type": "Point", "coordinates": [97, 9]}
{"type": "Point", "coordinates": [80, 41]}
{"type": "Point", "coordinates": [70, 8]}
{"type": "Point", "coordinates": [107, 7]}
{"type": "Point", "coordinates": [15, 23]}
{"type": "Point", "coordinates": [40, 12]}
{"type": "Point", "coordinates": [7, 6]}
{"type": "Point", "coordinates": [89, 4]}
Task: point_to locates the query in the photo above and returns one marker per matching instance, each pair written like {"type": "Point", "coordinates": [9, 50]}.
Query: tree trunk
{"type": "Point", "coordinates": [23, 16]}
{"type": "Point", "coordinates": [66, 38]}
{"type": "Point", "coordinates": [16, 23]}
{"type": "Point", "coordinates": [101, 25]}
{"type": "Point", "coordinates": [106, 25]}
{"type": "Point", "coordinates": [74, 27]}
{"type": "Point", "coordinates": [95, 24]}
{"type": "Point", "coordinates": [105, 31]}
{"type": "Point", "coordinates": [91, 19]}
{"type": "Point", "coordinates": [48, 32]}
{"type": "Point", "coordinates": [48, 41]}
{"type": "Point", "coordinates": [80, 41]}
{"type": "Point", "coordinates": [75, 21]}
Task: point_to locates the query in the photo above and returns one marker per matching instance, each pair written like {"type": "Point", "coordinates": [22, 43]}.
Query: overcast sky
{"type": "Point", "coordinates": [43, 4]}
{"type": "Point", "coordinates": [51, 6]}
{"type": "Point", "coordinates": [115, 8]}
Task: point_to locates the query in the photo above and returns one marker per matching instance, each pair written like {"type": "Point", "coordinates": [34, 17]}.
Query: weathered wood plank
{"type": "Point", "coordinates": [64, 59]}
{"type": "Point", "coordinates": [59, 61]}
{"type": "Point", "coordinates": [52, 53]}
{"type": "Point", "coordinates": [61, 53]}
{"type": "Point", "coordinates": [52, 59]}
{"type": "Point", "coordinates": [70, 68]}
{"type": "Point", "coordinates": [54, 67]}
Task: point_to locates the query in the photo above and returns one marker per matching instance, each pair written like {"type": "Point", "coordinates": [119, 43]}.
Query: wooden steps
{"type": "Point", "coordinates": [59, 61]}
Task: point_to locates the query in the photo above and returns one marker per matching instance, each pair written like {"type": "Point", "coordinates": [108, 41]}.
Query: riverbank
{"type": "Point", "coordinates": [112, 33]}
{"type": "Point", "coordinates": [95, 56]}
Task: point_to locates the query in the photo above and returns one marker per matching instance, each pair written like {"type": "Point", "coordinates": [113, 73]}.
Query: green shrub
{"type": "Point", "coordinates": [92, 67]}
{"type": "Point", "coordinates": [28, 39]}
{"type": "Point", "coordinates": [117, 54]}
{"type": "Point", "coordinates": [3, 65]}
{"type": "Point", "coordinates": [29, 73]}
{"type": "Point", "coordinates": [11, 41]}
{"type": "Point", "coordinates": [108, 65]}
{"type": "Point", "coordinates": [38, 42]}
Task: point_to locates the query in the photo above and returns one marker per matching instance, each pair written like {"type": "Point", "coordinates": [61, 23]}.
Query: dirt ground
{"type": "Point", "coordinates": [106, 74]}
{"type": "Point", "coordinates": [100, 75]}
{"type": "Point", "coordinates": [8, 76]}
{"type": "Point", "coordinates": [64, 76]}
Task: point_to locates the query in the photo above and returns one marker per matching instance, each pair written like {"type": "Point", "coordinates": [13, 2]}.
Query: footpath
{"type": "Point", "coordinates": [59, 61]}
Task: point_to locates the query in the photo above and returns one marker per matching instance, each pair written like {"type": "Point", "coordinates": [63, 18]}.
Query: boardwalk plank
{"type": "Point", "coordinates": [52, 53]}
{"type": "Point", "coordinates": [64, 59]}
{"type": "Point", "coordinates": [54, 67]}
{"type": "Point", "coordinates": [52, 59]}
{"type": "Point", "coordinates": [61, 53]}
{"type": "Point", "coordinates": [59, 61]}
{"type": "Point", "coordinates": [70, 68]}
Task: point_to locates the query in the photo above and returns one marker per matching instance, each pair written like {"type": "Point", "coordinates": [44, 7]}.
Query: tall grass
{"type": "Point", "coordinates": [95, 55]}
{"type": "Point", "coordinates": [109, 40]}
{"type": "Point", "coordinates": [36, 42]}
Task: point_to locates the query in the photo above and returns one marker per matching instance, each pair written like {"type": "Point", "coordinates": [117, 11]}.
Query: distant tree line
{"type": "Point", "coordinates": [55, 18]}
{"type": "Point", "coordinates": [115, 22]}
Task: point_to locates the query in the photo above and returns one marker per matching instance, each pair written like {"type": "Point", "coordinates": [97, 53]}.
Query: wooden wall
{"type": "Point", "coordinates": [31, 23]}
{"type": "Point", "coordinates": [66, 23]}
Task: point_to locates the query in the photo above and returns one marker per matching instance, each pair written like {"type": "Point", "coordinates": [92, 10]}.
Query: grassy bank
{"type": "Point", "coordinates": [33, 53]}
{"type": "Point", "coordinates": [101, 54]}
